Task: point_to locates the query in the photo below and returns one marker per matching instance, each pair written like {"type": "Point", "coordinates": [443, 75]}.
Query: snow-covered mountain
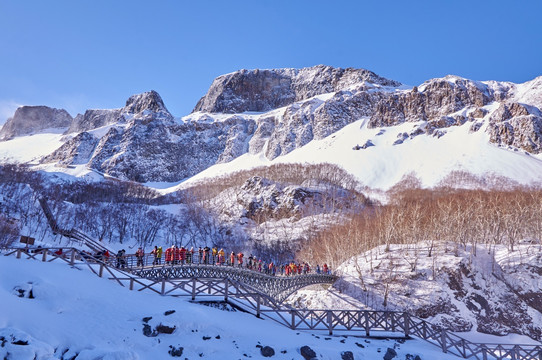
{"type": "Point", "coordinates": [350, 116]}
{"type": "Point", "coordinates": [300, 107]}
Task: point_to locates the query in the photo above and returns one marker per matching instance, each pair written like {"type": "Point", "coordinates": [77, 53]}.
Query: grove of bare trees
{"type": "Point", "coordinates": [443, 215]}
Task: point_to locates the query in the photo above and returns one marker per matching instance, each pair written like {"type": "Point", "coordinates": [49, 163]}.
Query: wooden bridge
{"type": "Point", "coordinates": [275, 287]}
{"type": "Point", "coordinates": [223, 286]}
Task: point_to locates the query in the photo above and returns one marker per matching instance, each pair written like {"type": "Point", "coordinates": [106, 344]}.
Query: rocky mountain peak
{"type": "Point", "coordinates": [264, 90]}
{"type": "Point", "coordinates": [146, 106]}
{"type": "Point", "coordinates": [32, 119]}
{"type": "Point", "coordinates": [149, 100]}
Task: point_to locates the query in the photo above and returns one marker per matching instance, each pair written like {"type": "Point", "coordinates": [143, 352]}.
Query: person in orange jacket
{"type": "Point", "coordinates": [221, 255]}
{"type": "Point", "coordinates": [240, 259]}
{"type": "Point", "coordinates": [232, 258]}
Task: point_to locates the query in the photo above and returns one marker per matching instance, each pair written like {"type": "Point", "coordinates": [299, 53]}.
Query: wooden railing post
{"type": "Point", "coordinates": [72, 257]}
{"type": "Point", "coordinates": [258, 306]}
{"type": "Point", "coordinates": [18, 253]}
{"type": "Point", "coordinates": [44, 256]}
{"type": "Point", "coordinates": [131, 283]}
{"type": "Point", "coordinates": [443, 341]}
{"type": "Point", "coordinates": [330, 322]}
{"type": "Point", "coordinates": [293, 319]}
{"type": "Point", "coordinates": [194, 289]}
{"type": "Point", "coordinates": [367, 327]}
{"type": "Point", "coordinates": [163, 290]}
{"type": "Point", "coordinates": [101, 271]}
{"type": "Point", "coordinates": [514, 353]}
{"type": "Point", "coordinates": [226, 289]}
{"type": "Point", "coordinates": [484, 352]}
{"type": "Point", "coordinates": [406, 319]}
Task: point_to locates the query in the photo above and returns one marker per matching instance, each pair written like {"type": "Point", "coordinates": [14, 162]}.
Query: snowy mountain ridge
{"type": "Point", "coordinates": [290, 109]}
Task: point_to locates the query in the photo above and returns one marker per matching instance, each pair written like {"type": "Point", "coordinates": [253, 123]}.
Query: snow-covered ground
{"type": "Point", "coordinates": [74, 313]}
{"type": "Point", "coordinates": [452, 281]}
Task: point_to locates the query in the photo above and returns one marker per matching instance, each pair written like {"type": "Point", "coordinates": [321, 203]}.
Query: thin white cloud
{"type": "Point", "coordinates": [7, 109]}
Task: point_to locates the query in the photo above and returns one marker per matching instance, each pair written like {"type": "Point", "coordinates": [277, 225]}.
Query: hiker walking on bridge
{"type": "Point", "coordinates": [221, 255]}
{"type": "Point", "coordinates": [154, 252]}
{"type": "Point", "coordinates": [140, 254]}
{"type": "Point", "coordinates": [169, 255]}
{"type": "Point", "coordinates": [121, 261]}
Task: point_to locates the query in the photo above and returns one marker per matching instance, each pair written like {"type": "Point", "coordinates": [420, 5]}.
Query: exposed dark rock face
{"type": "Point", "coordinates": [29, 120]}
{"type": "Point", "coordinates": [438, 98]}
{"type": "Point", "coordinates": [144, 107]}
{"type": "Point", "coordinates": [517, 125]}
{"type": "Point", "coordinates": [265, 199]}
{"type": "Point", "coordinates": [93, 119]}
{"type": "Point", "coordinates": [76, 151]}
{"type": "Point", "coordinates": [264, 90]}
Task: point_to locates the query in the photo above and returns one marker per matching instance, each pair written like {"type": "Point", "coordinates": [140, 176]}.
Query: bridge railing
{"type": "Point", "coordinates": [298, 319]}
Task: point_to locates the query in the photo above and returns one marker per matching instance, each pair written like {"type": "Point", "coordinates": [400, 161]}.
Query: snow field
{"type": "Point", "coordinates": [78, 313]}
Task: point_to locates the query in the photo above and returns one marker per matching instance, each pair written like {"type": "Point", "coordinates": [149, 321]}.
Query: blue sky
{"type": "Point", "coordinates": [95, 54]}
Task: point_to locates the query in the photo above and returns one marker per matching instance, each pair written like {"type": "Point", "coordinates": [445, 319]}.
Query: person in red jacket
{"type": "Point", "coordinates": [325, 269]}
{"type": "Point", "coordinates": [240, 259]}
{"type": "Point", "coordinates": [169, 254]}
{"type": "Point", "coordinates": [176, 255]}
{"type": "Point", "coordinates": [232, 258]}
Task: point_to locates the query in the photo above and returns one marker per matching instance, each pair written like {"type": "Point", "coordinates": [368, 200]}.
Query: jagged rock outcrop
{"type": "Point", "coordinates": [29, 120]}
{"type": "Point", "coordinates": [264, 90]}
{"type": "Point", "coordinates": [517, 125]}
{"type": "Point", "coordinates": [312, 119]}
{"type": "Point", "coordinates": [144, 107]}
{"type": "Point", "coordinates": [264, 199]}
{"type": "Point", "coordinates": [162, 151]}
{"type": "Point", "coordinates": [431, 101]}
{"type": "Point", "coordinates": [93, 119]}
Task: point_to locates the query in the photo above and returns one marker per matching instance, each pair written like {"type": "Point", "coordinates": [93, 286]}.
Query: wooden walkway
{"type": "Point", "coordinates": [276, 287]}
{"type": "Point", "coordinates": [220, 286]}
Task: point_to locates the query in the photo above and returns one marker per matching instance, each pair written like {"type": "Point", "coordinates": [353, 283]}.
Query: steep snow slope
{"type": "Point", "coordinates": [30, 148]}
{"type": "Point", "coordinates": [73, 312]}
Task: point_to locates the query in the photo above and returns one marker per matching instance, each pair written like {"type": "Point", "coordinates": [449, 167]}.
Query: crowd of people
{"type": "Point", "coordinates": [175, 255]}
